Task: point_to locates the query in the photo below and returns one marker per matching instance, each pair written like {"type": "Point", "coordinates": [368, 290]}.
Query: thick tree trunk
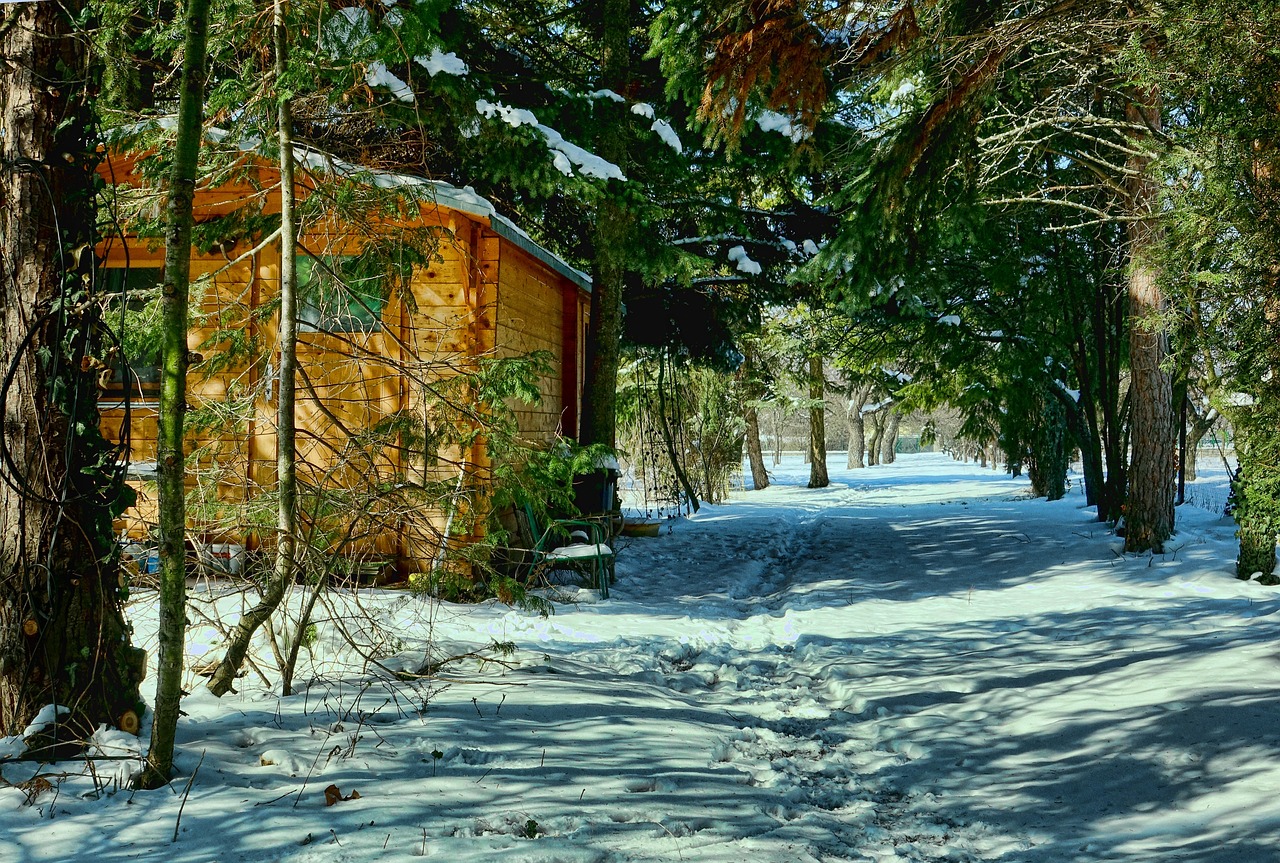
{"type": "Point", "coordinates": [173, 401]}
{"type": "Point", "coordinates": [1149, 508]}
{"type": "Point", "coordinates": [286, 461]}
{"type": "Point", "coordinates": [855, 426]}
{"type": "Point", "coordinates": [889, 442]}
{"type": "Point", "coordinates": [1050, 453]}
{"type": "Point", "coordinates": [877, 433]}
{"type": "Point", "coordinates": [857, 439]}
{"type": "Point", "coordinates": [611, 236]}
{"type": "Point", "coordinates": [818, 477]}
{"type": "Point", "coordinates": [63, 637]}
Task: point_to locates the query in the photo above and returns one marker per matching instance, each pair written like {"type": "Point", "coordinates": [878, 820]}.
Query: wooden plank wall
{"type": "Point", "coordinates": [223, 457]}
{"type": "Point", "coordinates": [482, 297]}
{"type": "Point", "coordinates": [531, 317]}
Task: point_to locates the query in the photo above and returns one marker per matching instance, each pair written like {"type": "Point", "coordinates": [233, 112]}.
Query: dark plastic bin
{"type": "Point", "coordinates": [594, 492]}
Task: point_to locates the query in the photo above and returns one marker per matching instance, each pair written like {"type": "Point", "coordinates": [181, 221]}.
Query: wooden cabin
{"type": "Point", "coordinates": [485, 290]}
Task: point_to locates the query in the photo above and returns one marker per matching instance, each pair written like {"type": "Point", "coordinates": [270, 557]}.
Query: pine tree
{"type": "Point", "coordinates": [63, 637]}
{"type": "Point", "coordinates": [946, 107]}
{"type": "Point", "coordinates": [1218, 66]}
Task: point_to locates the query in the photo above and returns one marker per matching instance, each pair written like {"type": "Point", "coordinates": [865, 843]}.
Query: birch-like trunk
{"type": "Point", "coordinates": [856, 427]}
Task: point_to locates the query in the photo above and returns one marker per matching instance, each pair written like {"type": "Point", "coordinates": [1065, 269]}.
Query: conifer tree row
{"type": "Point", "coordinates": [961, 106]}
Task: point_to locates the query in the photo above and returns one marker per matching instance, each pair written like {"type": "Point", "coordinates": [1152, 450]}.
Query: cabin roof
{"type": "Point", "coordinates": [464, 200]}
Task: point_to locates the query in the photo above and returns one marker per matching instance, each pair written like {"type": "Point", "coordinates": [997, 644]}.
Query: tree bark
{"type": "Point", "coordinates": [286, 461]}
{"type": "Point", "coordinates": [818, 477]}
{"type": "Point", "coordinates": [857, 440]}
{"type": "Point", "coordinates": [856, 427]}
{"type": "Point", "coordinates": [610, 239]}
{"type": "Point", "coordinates": [889, 441]}
{"type": "Point", "coordinates": [1149, 509]}
{"type": "Point", "coordinates": [1199, 427]}
{"type": "Point", "coordinates": [171, 460]}
{"type": "Point", "coordinates": [873, 443]}
{"type": "Point", "coordinates": [63, 636]}
{"type": "Point", "coordinates": [755, 454]}
{"type": "Point", "coordinates": [752, 390]}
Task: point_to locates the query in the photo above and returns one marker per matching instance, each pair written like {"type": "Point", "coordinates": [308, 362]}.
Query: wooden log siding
{"type": "Point", "coordinates": [540, 310]}
{"type": "Point", "coordinates": [485, 295]}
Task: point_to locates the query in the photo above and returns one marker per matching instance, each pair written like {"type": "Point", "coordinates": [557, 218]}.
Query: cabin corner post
{"type": "Point", "coordinates": [482, 296]}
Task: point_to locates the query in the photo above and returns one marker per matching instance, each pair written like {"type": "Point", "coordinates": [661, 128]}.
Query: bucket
{"type": "Point", "coordinates": [226, 557]}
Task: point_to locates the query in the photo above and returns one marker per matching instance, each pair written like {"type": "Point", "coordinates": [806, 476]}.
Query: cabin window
{"type": "Point", "coordinates": [339, 294]}
{"type": "Point", "coordinates": [133, 316]}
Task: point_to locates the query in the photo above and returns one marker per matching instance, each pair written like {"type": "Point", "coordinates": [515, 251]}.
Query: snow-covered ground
{"type": "Point", "coordinates": [917, 663]}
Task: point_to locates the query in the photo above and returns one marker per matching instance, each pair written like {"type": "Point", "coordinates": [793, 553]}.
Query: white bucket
{"type": "Point", "coordinates": [226, 557]}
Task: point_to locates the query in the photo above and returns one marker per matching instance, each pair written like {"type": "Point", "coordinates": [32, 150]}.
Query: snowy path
{"type": "Point", "coordinates": [914, 664]}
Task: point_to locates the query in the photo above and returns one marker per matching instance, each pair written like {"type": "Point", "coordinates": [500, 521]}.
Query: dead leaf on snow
{"type": "Point", "coordinates": [333, 794]}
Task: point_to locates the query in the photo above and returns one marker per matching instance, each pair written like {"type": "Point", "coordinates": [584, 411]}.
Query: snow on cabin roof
{"type": "Point", "coordinates": [464, 200]}
{"type": "Point", "coordinates": [507, 229]}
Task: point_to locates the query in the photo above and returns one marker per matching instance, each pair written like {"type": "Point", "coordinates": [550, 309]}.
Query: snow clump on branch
{"type": "Point", "coordinates": [772, 121]}
{"type": "Point", "coordinates": [565, 154]}
{"type": "Point", "coordinates": [449, 64]}
{"type": "Point", "coordinates": [738, 254]}
{"type": "Point", "coordinates": [379, 75]}
{"type": "Point", "coordinates": [661, 127]}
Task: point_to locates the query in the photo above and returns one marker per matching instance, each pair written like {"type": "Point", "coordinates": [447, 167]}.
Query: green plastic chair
{"type": "Point", "coordinates": [577, 545]}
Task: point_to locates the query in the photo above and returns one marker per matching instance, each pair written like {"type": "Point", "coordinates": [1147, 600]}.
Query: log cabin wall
{"type": "Point", "coordinates": [481, 296]}
{"type": "Point", "coordinates": [531, 311]}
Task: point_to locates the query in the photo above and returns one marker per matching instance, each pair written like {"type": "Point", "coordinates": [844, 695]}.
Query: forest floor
{"type": "Point", "coordinates": [916, 663]}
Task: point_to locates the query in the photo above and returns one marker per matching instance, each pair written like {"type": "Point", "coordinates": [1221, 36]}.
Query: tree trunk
{"type": "Point", "coordinates": [818, 477]}
{"type": "Point", "coordinates": [286, 462]}
{"type": "Point", "coordinates": [856, 427]}
{"type": "Point", "coordinates": [751, 390]}
{"type": "Point", "coordinates": [63, 636]}
{"type": "Point", "coordinates": [889, 442]}
{"type": "Point", "coordinates": [173, 401]}
{"type": "Point", "coordinates": [1200, 426]}
{"type": "Point", "coordinates": [611, 236]}
{"type": "Point", "coordinates": [857, 439]}
{"type": "Point", "coordinates": [1149, 509]}
{"type": "Point", "coordinates": [759, 475]}
{"type": "Point", "coordinates": [1082, 433]}
{"type": "Point", "coordinates": [877, 433]}
{"type": "Point", "coordinates": [1050, 452]}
